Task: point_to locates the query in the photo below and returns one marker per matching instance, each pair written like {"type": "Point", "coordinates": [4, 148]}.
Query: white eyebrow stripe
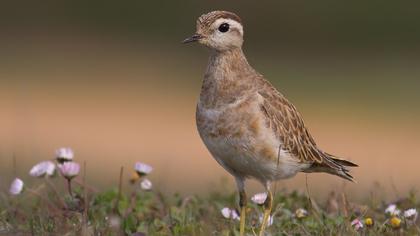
{"type": "Point", "coordinates": [231, 22]}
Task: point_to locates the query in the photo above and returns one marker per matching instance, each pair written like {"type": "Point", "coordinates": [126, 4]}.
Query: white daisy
{"type": "Point", "coordinates": [259, 198]}
{"type": "Point", "coordinates": [142, 168]}
{"type": "Point", "coordinates": [44, 168]}
{"type": "Point", "coordinates": [411, 215]}
{"type": "Point", "coordinates": [64, 154]}
{"type": "Point", "coordinates": [69, 169]}
{"type": "Point", "coordinates": [392, 210]}
{"type": "Point", "coordinates": [146, 184]}
{"type": "Point", "coordinates": [230, 213]}
{"type": "Point", "coordinates": [16, 187]}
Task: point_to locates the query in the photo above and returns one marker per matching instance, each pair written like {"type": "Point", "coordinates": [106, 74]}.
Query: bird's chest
{"type": "Point", "coordinates": [236, 134]}
{"type": "Point", "coordinates": [224, 122]}
{"type": "Point", "coordinates": [238, 138]}
{"type": "Point", "coordinates": [226, 125]}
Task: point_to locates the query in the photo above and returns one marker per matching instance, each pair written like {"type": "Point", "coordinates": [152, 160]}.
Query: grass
{"type": "Point", "coordinates": [60, 202]}
{"type": "Point", "coordinates": [44, 210]}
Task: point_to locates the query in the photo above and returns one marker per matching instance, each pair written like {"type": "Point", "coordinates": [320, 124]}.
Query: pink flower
{"type": "Point", "coordinates": [64, 154]}
{"type": "Point", "coordinates": [357, 224]}
{"type": "Point", "coordinates": [259, 198]}
{"type": "Point", "coordinates": [16, 187]}
{"type": "Point", "coordinates": [44, 168]}
{"type": "Point", "coordinates": [69, 169]}
{"type": "Point", "coordinates": [142, 168]}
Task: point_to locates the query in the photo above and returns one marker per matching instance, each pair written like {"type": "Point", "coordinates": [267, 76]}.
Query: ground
{"type": "Point", "coordinates": [45, 211]}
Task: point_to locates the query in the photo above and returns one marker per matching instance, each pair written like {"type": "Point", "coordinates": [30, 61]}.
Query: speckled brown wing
{"type": "Point", "coordinates": [288, 125]}
{"type": "Point", "coordinates": [285, 120]}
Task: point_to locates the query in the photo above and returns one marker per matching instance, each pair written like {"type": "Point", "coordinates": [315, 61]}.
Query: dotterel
{"type": "Point", "coordinates": [248, 126]}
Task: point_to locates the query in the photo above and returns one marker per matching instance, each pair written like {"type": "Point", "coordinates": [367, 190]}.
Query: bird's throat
{"type": "Point", "coordinates": [226, 78]}
{"type": "Point", "coordinates": [222, 64]}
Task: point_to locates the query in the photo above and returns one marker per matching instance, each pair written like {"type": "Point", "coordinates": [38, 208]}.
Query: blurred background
{"type": "Point", "coordinates": [112, 80]}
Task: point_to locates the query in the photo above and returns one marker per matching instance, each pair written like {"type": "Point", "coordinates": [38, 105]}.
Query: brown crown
{"type": "Point", "coordinates": [209, 18]}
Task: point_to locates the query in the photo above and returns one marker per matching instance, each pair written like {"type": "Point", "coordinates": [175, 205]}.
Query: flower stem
{"type": "Point", "coordinates": [52, 186]}
{"type": "Point", "coordinates": [69, 187]}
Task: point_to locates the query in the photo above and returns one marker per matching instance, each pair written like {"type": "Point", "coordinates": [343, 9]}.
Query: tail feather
{"type": "Point", "coordinates": [333, 165]}
{"type": "Point", "coordinates": [342, 161]}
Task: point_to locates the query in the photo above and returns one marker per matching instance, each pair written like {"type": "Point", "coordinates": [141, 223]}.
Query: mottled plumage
{"type": "Point", "coordinates": [248, 126]}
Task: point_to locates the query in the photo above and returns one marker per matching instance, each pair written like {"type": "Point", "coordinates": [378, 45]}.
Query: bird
{"type": "Point", "coordinates": [249, 127]}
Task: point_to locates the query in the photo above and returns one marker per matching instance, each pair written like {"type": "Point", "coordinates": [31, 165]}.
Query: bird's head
{"type": "Point", "coordinates": [219, 30]}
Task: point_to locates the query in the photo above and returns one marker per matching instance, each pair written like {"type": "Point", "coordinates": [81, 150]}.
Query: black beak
{"type": "Point", "coordinates": [193, 38]}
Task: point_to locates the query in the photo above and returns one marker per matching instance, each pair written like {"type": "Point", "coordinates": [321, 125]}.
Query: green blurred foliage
{"type": "Point", "coordinates": [314, 23]}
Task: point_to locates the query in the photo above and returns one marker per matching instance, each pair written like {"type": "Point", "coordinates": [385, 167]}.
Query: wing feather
{"type": "Point", "coordinates": [286, 122]}
{"type": "Point", "coordinates": [283, 117]}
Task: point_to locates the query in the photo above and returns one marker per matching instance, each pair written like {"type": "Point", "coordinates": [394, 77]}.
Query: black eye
{"type": "Point", "coordinates": [224, 27]}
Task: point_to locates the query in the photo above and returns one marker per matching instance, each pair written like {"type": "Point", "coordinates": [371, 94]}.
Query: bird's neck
{"type": "Point", "coordinates": [227, 78]}
{"type": "Point", "coordinates": [222, 64]}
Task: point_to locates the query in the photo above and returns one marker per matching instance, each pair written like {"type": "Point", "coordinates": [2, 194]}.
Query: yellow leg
{"type": "Point", "coordinates": [268, 205]}
{"type": "Point", "coordinates": [242, 204]}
